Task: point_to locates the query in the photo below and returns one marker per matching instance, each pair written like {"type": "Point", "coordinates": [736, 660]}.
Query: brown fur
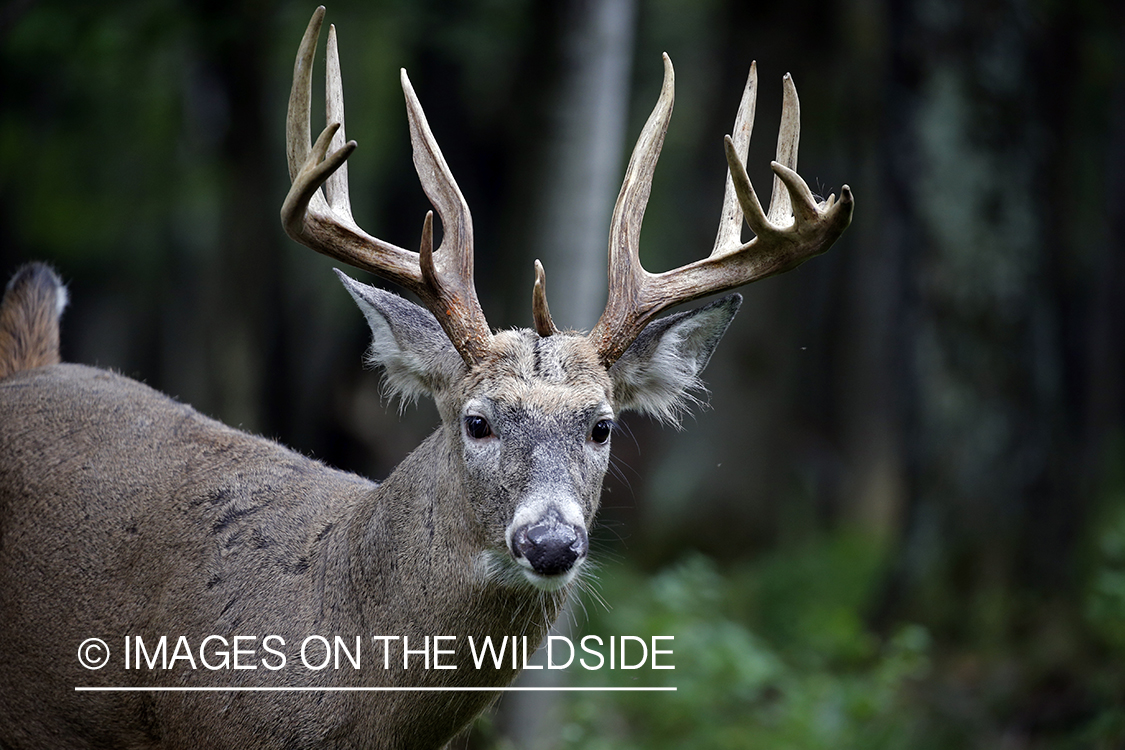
{"type": "Point", "coordinates": [126, 513]}
{"type": "Point", "coordinates": [29, 320]}
{"type": "Point", "coordinates": [155, 520]}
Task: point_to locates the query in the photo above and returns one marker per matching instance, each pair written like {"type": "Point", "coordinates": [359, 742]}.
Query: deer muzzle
{"type": "Point", "coordinates": [551, 546]}
{"type": "Point", "coordinates": [549, 543]}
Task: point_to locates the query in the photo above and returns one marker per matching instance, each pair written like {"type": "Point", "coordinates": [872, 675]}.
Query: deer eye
{"type": "Point", "coordinates": [601, 431]}
{"type": "Point", "coordinates": [477, 428]}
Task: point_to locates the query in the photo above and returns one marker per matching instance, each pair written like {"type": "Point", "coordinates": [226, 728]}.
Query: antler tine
{"type": "Point", "coordinates": [307, 216]}
{"type": "Point", "coordinates": [454, 292]}
{"type": "Point", "coordinates": [788, 138]}
{"type": "Point", "coordinates": [796, 229]}
{"type": "Point", "coordinates": [297, 127]}
{"type": "Point", "coordinates": [336, 186]}
{"type": "Point", "coordinates": [323, 221]}
{"type": "Point", "coordinates": [544, 326]}
{"type": "Point", "coordinates": [438, 183]}
{"type": "Point", "coordinates": [730, 221]}
{"type": "Point", "coordinates": [626, 275]}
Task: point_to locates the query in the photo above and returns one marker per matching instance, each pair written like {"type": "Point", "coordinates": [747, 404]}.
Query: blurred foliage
{"type": "Point", "coordinates": [1105, 593]}
{"type": "Point", "coordinates": [778, 653]}
{"type": "Point", "coordinates": [770, 655]}
{"type": "Point", "coordinates": [1104, 600]}
{"type": "Point", "coordinates": [1106, 596]}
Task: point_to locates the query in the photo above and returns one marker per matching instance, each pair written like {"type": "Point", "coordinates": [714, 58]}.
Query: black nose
{"type": "Point", "coordinates": [551, 545]}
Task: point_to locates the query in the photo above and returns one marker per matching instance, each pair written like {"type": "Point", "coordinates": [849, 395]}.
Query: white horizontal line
{"type": "Point", "coordinates": [366, 689]}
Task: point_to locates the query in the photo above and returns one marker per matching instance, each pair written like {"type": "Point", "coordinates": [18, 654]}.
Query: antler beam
{"type": "Point", "coordinates": [796, 228]}
{"type": "Point", "coordinates": [322, 220]}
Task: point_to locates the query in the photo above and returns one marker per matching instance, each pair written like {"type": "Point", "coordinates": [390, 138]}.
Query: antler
{"type": "Point", "coordinates": [322, 220]}
{"type": "Point", "coordinates": [796, 228]}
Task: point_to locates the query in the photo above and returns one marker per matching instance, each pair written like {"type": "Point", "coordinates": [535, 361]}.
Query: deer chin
{"type": "Point", "coordinates": [553, 582]}
{"type": "Point", "coordinates": [500, 566]}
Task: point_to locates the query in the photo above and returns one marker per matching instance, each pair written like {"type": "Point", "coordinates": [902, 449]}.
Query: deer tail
{"type": "Point", "coordinates": [29, 319]}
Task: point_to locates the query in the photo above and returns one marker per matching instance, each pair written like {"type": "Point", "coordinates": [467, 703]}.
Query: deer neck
{"type": "Point", "coordinates": [419, 560]}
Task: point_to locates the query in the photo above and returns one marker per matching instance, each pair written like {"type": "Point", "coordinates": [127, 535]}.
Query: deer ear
{"type": "Point", "coordinates": [406, 341]}
{"type": "Point", "coordinates": [658, 372]}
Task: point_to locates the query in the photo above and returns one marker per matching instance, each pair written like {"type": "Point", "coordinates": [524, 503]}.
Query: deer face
{"type": "Point", "coordinates": [529, 424]}
{"type": "Point", "coordinates": [534, 424]}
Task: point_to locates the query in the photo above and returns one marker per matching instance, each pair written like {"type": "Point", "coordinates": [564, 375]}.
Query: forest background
{"type": "Point", "coordinates": [901, 522]}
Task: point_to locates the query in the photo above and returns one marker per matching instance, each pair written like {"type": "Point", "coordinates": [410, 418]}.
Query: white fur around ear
{"type": "Point", "coordinates": [406, 341]}
{"type": "Point", "coordinates": [659, 371]}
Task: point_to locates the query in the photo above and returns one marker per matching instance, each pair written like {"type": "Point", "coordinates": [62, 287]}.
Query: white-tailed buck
{"type": "Point", "coordinates": [127, 516]}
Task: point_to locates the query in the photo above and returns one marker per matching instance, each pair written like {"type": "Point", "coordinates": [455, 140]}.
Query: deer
{"type": "Point", "coordinates": [127, 514]}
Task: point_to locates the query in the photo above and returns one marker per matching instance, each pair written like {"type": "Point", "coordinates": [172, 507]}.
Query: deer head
{"type": "Point", "coordinates": [528, 415]}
